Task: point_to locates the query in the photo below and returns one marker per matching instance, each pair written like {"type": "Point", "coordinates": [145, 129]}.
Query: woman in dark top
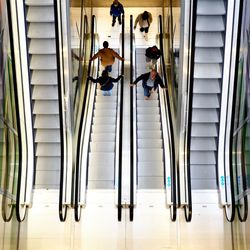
{"type": "Point", "coordinates": [106, 82]}
{"type": "Point", "coordinates": [150, 82]}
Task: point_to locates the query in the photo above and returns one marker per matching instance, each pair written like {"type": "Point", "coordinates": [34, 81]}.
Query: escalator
{"type": "Point", "coordinates": [209, 51]}
{"type": "Point", "coordinates": [43, 67]}
{"type": "Point", "coordinates": [99, 141]}
{"type": "Point", "coordinates": [208, 73]}
{"type": "Point", "coordinates": [152, 149]}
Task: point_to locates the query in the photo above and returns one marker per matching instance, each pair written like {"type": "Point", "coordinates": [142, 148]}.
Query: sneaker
{"type": "Point", "coordinates": [146, 36]}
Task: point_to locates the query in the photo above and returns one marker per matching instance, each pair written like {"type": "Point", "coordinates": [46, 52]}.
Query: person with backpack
{"type": "Point", "coordinates": [107, 56]}
{"type": "Point", "coordinates": [152, 54]}
{"type": "Point", "coordinates": [106, 82]}
{"type": "Point", "coordinates": [116, 10]}
{"type": "Point", "coordinates": [144, 19]}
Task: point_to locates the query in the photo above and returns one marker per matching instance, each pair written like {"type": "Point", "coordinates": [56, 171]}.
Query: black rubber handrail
{"type": "Point", "coordinates": [171, 128]}
{"type": "Point", "coordinates": [84, 110]}
{"type": "Point", "coordinates": [121, 132]}
{"type": "Point", "coordinates": [62, 207]}
{"type": "Point", "coordinates": [192, 23]}
{"type": "Point", "coordinates": [243, 217]}
{"type": "Point", "coordinates": [17, 113]}
{"type": "Point", "coordinates": [131, 205]}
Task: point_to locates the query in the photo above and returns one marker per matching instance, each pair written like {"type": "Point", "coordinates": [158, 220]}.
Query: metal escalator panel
{"type": "Point", "coordinates": [240, 134]}
{"type": "Point", "coordinates": [208, 64]}
{"type": "Point", "coordinates": [43, 71]}
{"type": "Point", "coordinates": [9, 137]}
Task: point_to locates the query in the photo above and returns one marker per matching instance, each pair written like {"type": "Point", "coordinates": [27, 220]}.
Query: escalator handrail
{"type": "Point", "coordinates": [121, 131]}
{"type": "Point", "coordinates": [84, 110]}
{"type": "Point", "coordinates": [10, 25]}
{"type": "Point", "coordinates": [170, 122]}
{"type": "Point", "coordinates": [232, 132]}
{"type": "Point", "coordinates": [62, 212]}
{"type": "Point", "coordinates": [192, 23]}
{"type": "Point", "coordinates": [19, 206]}
{"type": "Point", "coordinates": [132, 136]}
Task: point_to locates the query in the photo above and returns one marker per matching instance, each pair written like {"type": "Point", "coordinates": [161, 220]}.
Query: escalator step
{"type": "Point", "coordinates": [39, 2]}
{"type": "Point", "coordinates": [40, 14]}
{"type": "Point", "coordinates": [41, 30]}
{"type": "Point", "coordinates": [210, 23]}
{"type": "Point", "coordinates": [145, 155]}
{"type": "Point", "coordinates": [205, 7]}
{"type": "Point", "coordinates": [149, 143]}
{"type": "Point", "coordinates": [208, 55]}
{"type": "Point", "coordinates": [47, 136]}
{"type": "Point", "coordinates": [204, 130]}
{"type": "Point", "coordinates": [207, 71]}
{"type": "Point", "coordinates": [209, 39]}
{"type": "Point", "coordinates": [44, 46]}
{"type": "Point", "coordinates": [47, 92]}
{"type": "Point", "coordinates": [207, 86]}
{"type": "Point", "coordinates": [148, 125]}
{"type": "Point", "coordinates": [44, 77]}
{"type": "Point", "coordinates": [203, 144]}
{"type": "Point", "coordinates": [209, 116]}
{"type": "Point", "coordinates": [46, 121]}
{"type": "Point", "coordinates": [46, 107]}
{"type": "Point", "coordinates": [206, 101]}
{"type": "Point", "coordinates": [48, 149]}
{"type": "Point", "coordinates": [43, 62]}
{"type": "Point", "coordinates": [207, 158]}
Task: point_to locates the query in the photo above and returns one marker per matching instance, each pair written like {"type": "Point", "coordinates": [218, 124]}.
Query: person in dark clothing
{"type": "Point", "coordinates": [106, 82]}
{"type": "Point", "coordinates": [116, 9]}
{"type": "Point", "coordinates": [152, 54]}
{"type": "Point", "coordinates": [150, 82]}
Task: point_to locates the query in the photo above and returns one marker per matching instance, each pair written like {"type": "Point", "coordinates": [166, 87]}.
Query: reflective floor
{"type": "Point", "coordinates": [99, 229]}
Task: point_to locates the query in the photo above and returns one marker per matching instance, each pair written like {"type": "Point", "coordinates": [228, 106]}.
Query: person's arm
{"type": "Point", "coordinates": [159, 81]}
{"type": "Point", "coordinates": [117, 55]}
{"type": "Point", "coordinates": [138, 79]}
{"type": "Point", "coordinates": [116, 79]}
{"type": "Point", "coordinates": [93, 80]}
{"type": "Point", "coordinates": [95, 56]}
{"type": "Point", "coordinates": [136, 21]}
{"type": "Point", "coordinates": [111, 11]}
{"type": "Point", "coordinates": [150, 18]}
{"type": "Point", "coordinates": [122, 9]}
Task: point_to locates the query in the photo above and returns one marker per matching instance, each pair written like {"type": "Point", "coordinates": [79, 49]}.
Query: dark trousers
{"type": "Point", "coordinates": [119, 19]}
{"type": "Point", "coordinates": [108, 68]}
{"type": "Point", "coordinates": [147, 90]}
{"type": "Point", "coordinates": [144, 29]}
